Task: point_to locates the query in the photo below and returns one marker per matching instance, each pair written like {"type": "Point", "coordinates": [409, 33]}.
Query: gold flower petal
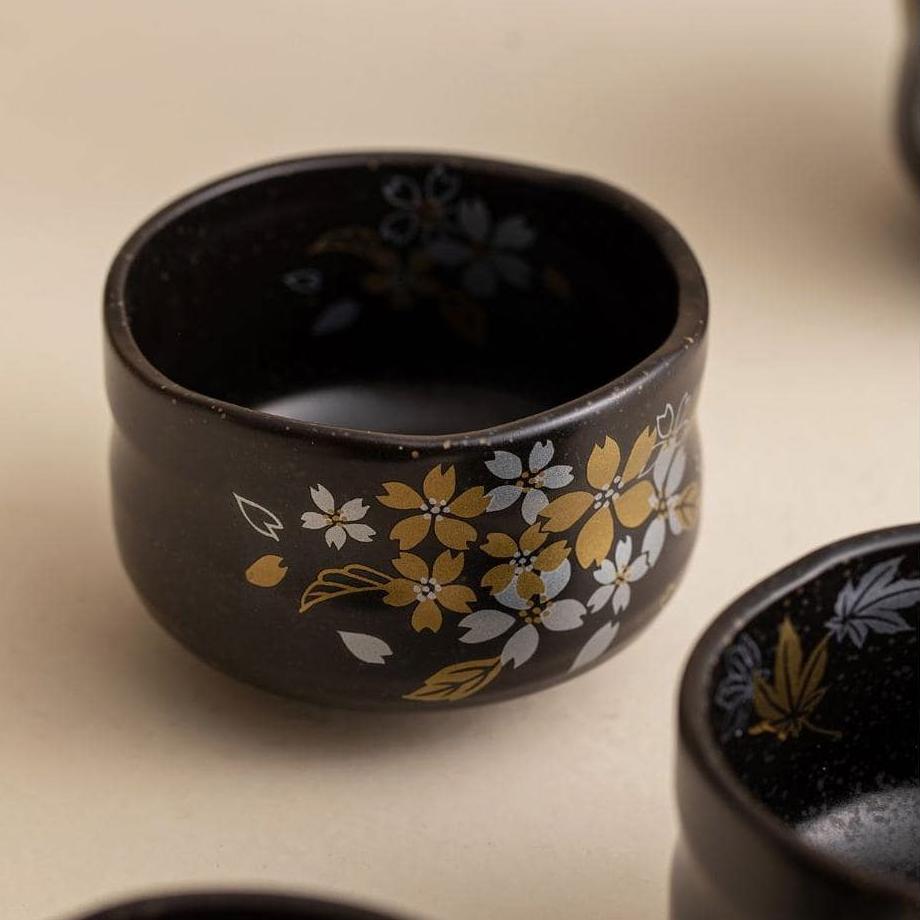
{"type": "Point", "coordinates": [447, 567]}
{"type": "Point", "coordinates": [533, 538]}
{"type": "Point", "coordinates": [453, 533]}
{"type": "Point", "coordinates": [595, 539]}
{"type": "Point", "coordinates": [401, 497]}
{"type": "Point", "coordinates": [639, 455]}
{"type": "Point", "coordinates": [635, 505]}
{"type": "Point", "coordinates": [266, 571]}
{"type": "Point", "coordinates": [411, 566]}
{"type": "Point", "coordinates": [499, 546]}
{"type": "Point", "coordinates": [471, 503]}
{"type": "Point", "coordinates": [603, 463]}
{"type": "Point", "coordinates": [426, 616]}
{"type": "Point", "coordinates": [498, 577]}
{"type": "Point", "coordinates": [457, 598]}
{"type": "Point", "coordinates": [561, 513]}
{"type": "Point", "coordinates": [529, 584]}
{"type": "Point", "coordinates": [440, 486]}
{"type": "Point", "coordinates": [400, 592]}
{"type": "Point", "coordinates": [411, 531]}
{"type": "Point", "coordinates": [553, 556]}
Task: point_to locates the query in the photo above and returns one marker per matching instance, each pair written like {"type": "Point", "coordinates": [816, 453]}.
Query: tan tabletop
{"type": "Point", "coordinates": [761, 130]}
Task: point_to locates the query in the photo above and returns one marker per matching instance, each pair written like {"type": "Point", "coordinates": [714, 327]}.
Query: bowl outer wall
{"type": "Point", "coordinates": [178, 456]}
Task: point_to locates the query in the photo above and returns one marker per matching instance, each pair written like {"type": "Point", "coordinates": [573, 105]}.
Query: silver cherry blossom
{"type": "Point", "coordinates": [530, 482]}
{"type": "Point", "coordinates": [339, 523]}
{"type": "Point", "coordinates": [616, 577]}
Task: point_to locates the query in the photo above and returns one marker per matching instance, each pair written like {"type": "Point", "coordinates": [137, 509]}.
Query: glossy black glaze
{"type": "Point", "coordinates": [814, 815]}
{"type": "Point", "coordinates": [233, 906]}
{"type": "Point", "coordinates": [266, 331]}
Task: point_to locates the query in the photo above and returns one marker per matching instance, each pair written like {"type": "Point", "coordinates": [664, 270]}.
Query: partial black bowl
{"type": "Point", "coordinates": [405, 430]}
{"type": "Point", "coordinates": [233, 906]}
{"type": "Point", "coordinates": [909, 93]}
{"type": "Point", "coordinates": [799, 744]}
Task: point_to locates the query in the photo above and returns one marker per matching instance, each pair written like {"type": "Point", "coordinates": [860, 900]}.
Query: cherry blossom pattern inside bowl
{"type": "Point", "coordinates": [405, 430]}
{"type": "Point", "coordinates": [799, 748]}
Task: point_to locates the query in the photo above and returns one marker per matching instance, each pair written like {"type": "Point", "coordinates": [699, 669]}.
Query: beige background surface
{"type": "Point", "coordinates": [761, 130]}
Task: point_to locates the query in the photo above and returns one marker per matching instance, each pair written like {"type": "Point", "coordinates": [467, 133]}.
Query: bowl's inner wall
{"type": "Point", "coordinates": [816, 706]}
{"type": "Point", "coordinates": [414, 298]}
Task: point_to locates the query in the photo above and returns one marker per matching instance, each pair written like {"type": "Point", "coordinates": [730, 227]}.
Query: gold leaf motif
{"type": "Point", "coordinates": [333, 583]}
{"type": "Point", "coordinates": [786, 705]}
{"type": "Point", "coordinates": [266, 571]}
{"type": "Point", "coordinates": [457, 681]}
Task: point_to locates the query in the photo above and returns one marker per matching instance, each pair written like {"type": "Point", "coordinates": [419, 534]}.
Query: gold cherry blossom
{"type": "Point", "coordinates": [429, 591]}
{"type": "Point", "coordinates": [525, 557]}
{"type": "Point", "coordinates": [617, 498]}
{"type": "Point", "coordinates": [437, 505]}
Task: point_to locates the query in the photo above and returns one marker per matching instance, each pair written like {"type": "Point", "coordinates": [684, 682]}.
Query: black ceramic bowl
{"type": "Point", "coordinates": [231, 906]}
{"type": "Point", "coordinates": [404, 430]}
{"type": "Point", "coordinates": [799, 748]}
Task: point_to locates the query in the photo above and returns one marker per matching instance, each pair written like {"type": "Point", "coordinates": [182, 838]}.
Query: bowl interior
{"type": "Point", "coordinates": [408, 295]}
{"type": "Point", "coordinates": [816, 707]}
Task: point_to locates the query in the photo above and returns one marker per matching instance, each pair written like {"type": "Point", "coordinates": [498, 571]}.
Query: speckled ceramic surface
{"type": "Point", "coordinates": [803, 703]}
{"type": "Point", "coordinates": [405, 430]}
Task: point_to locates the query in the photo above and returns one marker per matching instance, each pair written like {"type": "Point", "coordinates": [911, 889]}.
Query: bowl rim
{"type": "Point", "coordinates": [699, 743]}
{"type": "Point", "coordinates": [286, 904]}
{"type": "Point", "coordinates": [688, 330]}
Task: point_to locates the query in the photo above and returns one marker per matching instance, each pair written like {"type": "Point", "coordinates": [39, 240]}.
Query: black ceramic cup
{"type": "Point", "coordinates": [233, 906]}
{"type": "Point", "coordinates": [404, 430]}
{"type": "Point", "coordinates": [799, 744]}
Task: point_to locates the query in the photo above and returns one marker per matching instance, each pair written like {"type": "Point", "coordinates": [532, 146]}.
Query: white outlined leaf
{"type": "Point", "coordinates": [368, 649]}
{"type": "Point", "coordinates": [259, 518]}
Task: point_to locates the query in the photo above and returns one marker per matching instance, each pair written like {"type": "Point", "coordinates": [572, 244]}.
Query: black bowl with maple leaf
{"type": "Point", "coordinates": [799, 743]}
{"type": "Point", "coordinates": [405, 430]}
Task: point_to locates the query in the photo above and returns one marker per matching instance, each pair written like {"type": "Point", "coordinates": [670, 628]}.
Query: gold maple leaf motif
{"type": "Point", "coordinates": [786, 706]}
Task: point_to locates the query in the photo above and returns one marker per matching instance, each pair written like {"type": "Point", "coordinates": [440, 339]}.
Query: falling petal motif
{"type": "Point", "coordinates": [259, 518]}
{"type": "Point", "coordinates": [267, 571]}
{"type": "Point", "coordinates": [369, 649]}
